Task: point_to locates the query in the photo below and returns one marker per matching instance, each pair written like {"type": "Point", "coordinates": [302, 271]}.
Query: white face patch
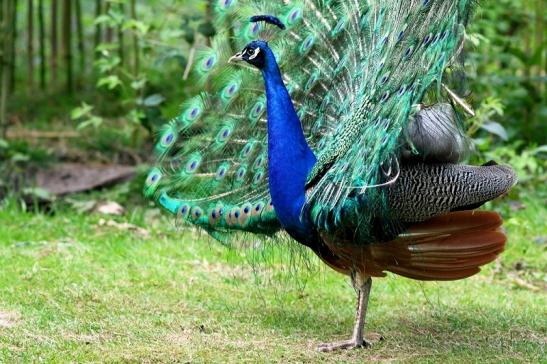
{"type": "Point", "coordinates": [255, 53]}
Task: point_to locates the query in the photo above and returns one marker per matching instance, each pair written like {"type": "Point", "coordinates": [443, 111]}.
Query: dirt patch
{"type": "Point", "coordinates": [8, 319]}
{"type": "Point", "coordinates": [183, 338]}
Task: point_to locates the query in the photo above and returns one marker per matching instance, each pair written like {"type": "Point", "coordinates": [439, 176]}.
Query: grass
{"type": "Point", "coordinates": [76, 289]}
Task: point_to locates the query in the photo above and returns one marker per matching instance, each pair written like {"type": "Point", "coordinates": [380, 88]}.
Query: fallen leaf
{"type": "Point", "coordinates": [109, 208]}
{"type": "Point", "coordinates": [521, 282]}
{"type": "Point", "coordinates": [125, 226]}
{"type": "Point", "coordinates": [82, 206]}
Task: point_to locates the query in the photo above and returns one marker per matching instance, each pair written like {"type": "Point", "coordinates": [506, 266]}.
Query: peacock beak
{"type": "Point", "coordinates": [236, 58]}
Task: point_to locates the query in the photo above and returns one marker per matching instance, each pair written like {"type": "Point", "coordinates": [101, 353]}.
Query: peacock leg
{"type": "Point", "coordinates": [357, 340]}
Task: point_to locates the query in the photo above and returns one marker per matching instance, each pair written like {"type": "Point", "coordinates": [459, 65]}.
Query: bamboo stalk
{"type": "Point", "coordinates": [136, 50]}
{"type": "Point", "coordinates": [121, 45]}
{"type": "Point", "coordinates": [54, 51]}
{"type": "Point", "coordinates": [540, 34]}
{"type": "Point", "coordinates": [30, 45]}
{"type": "Point", "coordinates": [42, 46]}
{"type": "Point", "coordinates": [527, 40]}
{"type": "Point", "coordinates": [109, 33]}
{"type": "Point", "coordinates": [5, 60]}
{"type": "Point", "coordinates": [4, 9]}
{"type": "Point", "coordinates": [67, 43]}
{"type": "Point", "coordinates": [13, 39]}
{"type": "Point", "coordinates": [98, 27]}
{"type": "Point", "coordinates": [80, 34]}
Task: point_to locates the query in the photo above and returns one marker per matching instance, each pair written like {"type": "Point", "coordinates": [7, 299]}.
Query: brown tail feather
{"type": "Point", "coordinates": [448, 247]}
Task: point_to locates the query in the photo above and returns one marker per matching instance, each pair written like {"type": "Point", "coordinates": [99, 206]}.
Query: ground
{"type": "Point", "coordinates": [88, 288]}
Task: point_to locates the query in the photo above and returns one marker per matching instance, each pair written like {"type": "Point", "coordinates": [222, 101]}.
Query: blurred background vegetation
{"type": "Point", "coordinates": [91, 81]}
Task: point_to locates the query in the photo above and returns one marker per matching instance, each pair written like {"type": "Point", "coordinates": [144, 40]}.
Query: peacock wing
{"type": "Point", "coordinates": [375, 61]}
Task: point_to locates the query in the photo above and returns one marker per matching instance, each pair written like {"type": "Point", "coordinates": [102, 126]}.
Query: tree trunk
{"type": "Point", "coordinates": [42, 45]}
{"type": "Point", "coordinates": [54, 45]}
{"type": "Point", "coordinates": [136, 50]}
{"type": "Point", "coordinates": [4, 69]}
{"type": "Point", "coordinates": [6, 59]}
{"type": "Point", "coordinates": [109, 33]}
{"type": "Point", "coordinates": [80, 32]}
{"type": "Point", "coordinates": [67, 40]}
{"type": "Point", "coordinates": [540, 34]}
{"type": "Point", "coordinates": [30, 45]}
{"type": "Point", "coordinates": [98, 27]}
{"type": "Point", "coordinates": [121, 45]}
{"type": "Point", "coordinates": [13, 41]}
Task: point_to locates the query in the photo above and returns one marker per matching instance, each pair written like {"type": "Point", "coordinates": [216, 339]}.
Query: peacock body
{"type": "Point", "coordinates": [321, 131]}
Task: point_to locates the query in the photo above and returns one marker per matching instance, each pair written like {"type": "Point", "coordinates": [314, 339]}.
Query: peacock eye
{"type": "Point", "coordinates": [226, 3]}
{"type": "Point", "coordinates": [255, 28]}
{"type": "Point", "coordinates": [255, 53]}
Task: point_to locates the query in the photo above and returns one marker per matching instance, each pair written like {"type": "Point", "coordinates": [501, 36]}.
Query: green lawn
{"type": "Point", "coordinates": [75, 290]}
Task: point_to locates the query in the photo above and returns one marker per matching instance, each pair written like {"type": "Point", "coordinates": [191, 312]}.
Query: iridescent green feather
{"type": "Point", "coordinates": [354, 70]}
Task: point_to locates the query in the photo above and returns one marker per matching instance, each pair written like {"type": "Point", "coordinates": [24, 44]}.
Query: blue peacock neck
{"type": "Point", "coordinates": [290, 159]}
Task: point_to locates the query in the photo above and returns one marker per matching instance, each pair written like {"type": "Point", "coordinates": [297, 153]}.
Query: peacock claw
{"type": "Point", "coordinates": [372, 339]}
{"type": "Point", "coordinates": [343, 345]}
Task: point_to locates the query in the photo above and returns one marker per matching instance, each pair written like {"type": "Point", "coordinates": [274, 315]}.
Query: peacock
{"type": "Point", "coordinates": [337, 123]}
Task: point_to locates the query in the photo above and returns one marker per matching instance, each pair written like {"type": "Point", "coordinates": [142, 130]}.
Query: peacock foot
{"type": "Point", "coordinates": [343, 345]}
{"type": "Point", "coordinates": [350, 344]}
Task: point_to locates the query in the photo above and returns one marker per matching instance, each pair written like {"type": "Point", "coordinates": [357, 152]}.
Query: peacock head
{"type": "Point", "coordinates": [254, 54]}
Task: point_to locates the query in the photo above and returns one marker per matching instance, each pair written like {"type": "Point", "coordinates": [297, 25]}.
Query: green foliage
{"type": "Point", "coordinates": [17, 159]}
{"type": "Point", "coordinates": [491, 107]}
{"type": "Point", "coordinates": [506, 61]}
{"type": "Point", "coordinates": [528, 161]}
{"type": "Point", "coordinates": [505, 56]}
{"type": "Point", "coordinates": [530, 164]}
{"type": "Point", "coordinates": [85, 116]}
{"type": "Point", "coordinates": [142, 87]}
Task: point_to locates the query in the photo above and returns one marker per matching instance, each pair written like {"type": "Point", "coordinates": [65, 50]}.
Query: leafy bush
{"type": "Point", "coordinates": [506, 62]}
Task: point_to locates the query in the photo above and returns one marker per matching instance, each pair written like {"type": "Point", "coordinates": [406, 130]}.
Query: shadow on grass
{"type": "Point", "coordinates": [476, 328]}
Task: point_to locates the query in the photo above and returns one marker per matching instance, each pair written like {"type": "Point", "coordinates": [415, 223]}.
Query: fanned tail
{"type": "Point", "coordinates": [354, 69]}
